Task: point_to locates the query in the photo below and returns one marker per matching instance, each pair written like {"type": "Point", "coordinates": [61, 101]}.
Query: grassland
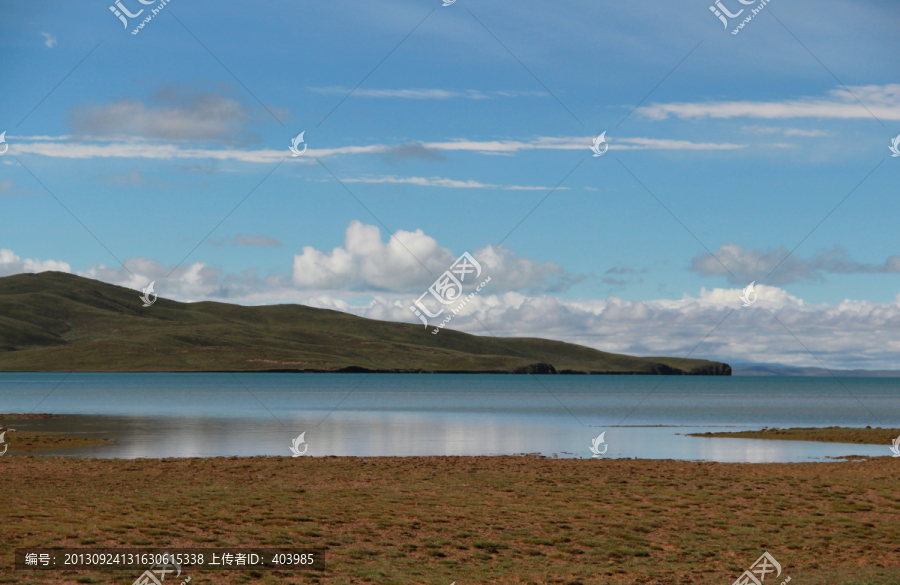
{"type": "Point", "coordinates": [467, 519]}
{"type": "Point", "coordinates": [866, 436]}
{"type": "Point", "coordinates": [59, 322]}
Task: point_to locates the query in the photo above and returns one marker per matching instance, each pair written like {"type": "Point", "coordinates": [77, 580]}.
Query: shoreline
{"type": "Point", "coordinates": [361, 370]}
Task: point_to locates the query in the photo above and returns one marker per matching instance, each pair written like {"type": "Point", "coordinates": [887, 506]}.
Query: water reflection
{"type": "Point", "coordinates": [383, 434]}
{"type": "Point", "coordinates": [198, 415]}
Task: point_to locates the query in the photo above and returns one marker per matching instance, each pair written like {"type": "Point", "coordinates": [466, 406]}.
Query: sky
{"type": "Point", "coordinates": [732, 156]}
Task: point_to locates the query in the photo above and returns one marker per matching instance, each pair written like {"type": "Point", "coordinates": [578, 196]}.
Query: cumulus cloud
{"type": "Point", "coordinates": [882, 101]}
{"type": "Point", "coordinates": [748, 265]}
{"type": "Point", "coordinates": [12, 264]}
{"type": "Point", "coordinates": [848, 334]}
{"type": "Point", "coordinates": [49, 40]}
{"type": "Point", "coordinates": [409, 261]}
{"type": "Point", "coordinates": [193, 282]}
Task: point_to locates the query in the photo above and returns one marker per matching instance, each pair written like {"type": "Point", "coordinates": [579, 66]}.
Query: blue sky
{"type": "Point", "coordinates": [746, 146]}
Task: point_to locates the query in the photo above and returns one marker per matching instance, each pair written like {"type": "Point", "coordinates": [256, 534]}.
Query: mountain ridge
{"type": "Point", "coordinates": [54, 321]}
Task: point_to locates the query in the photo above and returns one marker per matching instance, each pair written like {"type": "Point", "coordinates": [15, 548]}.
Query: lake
{"type": "Point", "coordinates": [199, 415]}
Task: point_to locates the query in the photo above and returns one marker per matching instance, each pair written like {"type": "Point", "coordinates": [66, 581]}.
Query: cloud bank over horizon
{"type": "Point", "coordinates": [371, 278]}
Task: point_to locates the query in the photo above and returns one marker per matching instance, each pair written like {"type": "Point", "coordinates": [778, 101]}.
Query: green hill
{"type": "Point", "coordinates": [53, 321]}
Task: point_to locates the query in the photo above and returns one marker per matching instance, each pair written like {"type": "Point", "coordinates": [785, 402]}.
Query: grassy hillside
{"type": "Point", "coordinates": [60, 322]}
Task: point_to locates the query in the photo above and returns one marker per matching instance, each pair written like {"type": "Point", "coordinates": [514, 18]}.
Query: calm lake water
{"type": "Point", "coordinates": [192, 415]}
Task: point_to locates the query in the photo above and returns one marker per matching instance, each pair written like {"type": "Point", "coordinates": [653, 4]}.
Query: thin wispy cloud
{"type": "Point", "coordinates": [412, 150]}
{"type": "Point", "coordinates": [49, 40]}
{"type": "Point", "coordinates": [7, 186]}
{"type": "Point", "coordinates": [748, 264]}
{"type": "Point", "coordinates": [135, 177]}
{"type": "Point", "coordinates": [240, 240]}
{"type": "Point", "coordinates": [140, 148]}
{"type": "Point", "coordinates": [882, 101]}
{"type": "Point", "coordinates": [787, 131]}
{"type": "Point", "coordinates": [441, 182]}
{"type": "Point", "coordinates": [428, 94]}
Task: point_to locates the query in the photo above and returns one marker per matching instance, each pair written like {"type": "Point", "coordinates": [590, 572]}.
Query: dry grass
{"type": "Point", "coordinates": [34, 441]}
{"type": "Point", "coordinates": [866, 436]}
{"type": "Point", "coordinates": [29, 441]}
{"type": "Point", "coordinates": [467, 519]}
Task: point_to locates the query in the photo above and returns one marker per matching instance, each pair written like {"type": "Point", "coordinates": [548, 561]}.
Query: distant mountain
{"type": "Point", "coordinates": [767, 370]}
{"type": "Point", "coordinates": [52, 321]}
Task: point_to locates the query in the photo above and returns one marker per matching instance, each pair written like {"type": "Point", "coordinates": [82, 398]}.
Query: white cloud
{"type": "Point", "coordinates": [49, 40]}
{"type": "Point", "coordinates": [423, 94]}
{"type": "Point", "coordinates": [787, 131]}
{"type": "Point", "coordinates": [883, 101]}
{"type": "Point", "coordinates": [443, 182]}
{"type": "Point", "coordinates": [847, 334]}
{"type": "Point", "coordinates": [429, 182]}
{"type": "Point", "coordinates": [64, 147]}
{"type": "Point", "coordinates": [409, 261]}
{"type": "Point", "coordinates": [12, 264]}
